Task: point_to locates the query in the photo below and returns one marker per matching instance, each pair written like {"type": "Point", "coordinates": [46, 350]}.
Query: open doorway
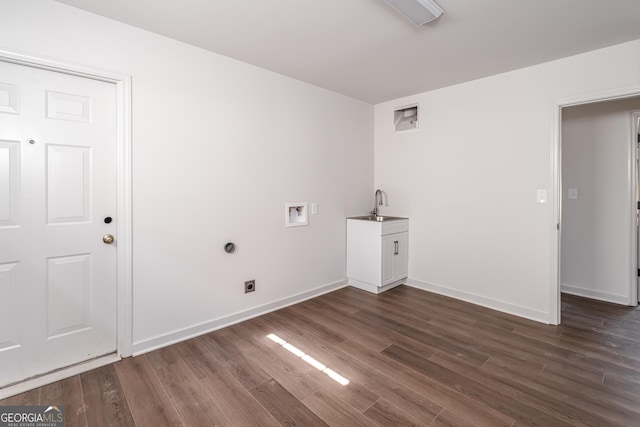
{"type": "Point", "coordinates": [598, 200]}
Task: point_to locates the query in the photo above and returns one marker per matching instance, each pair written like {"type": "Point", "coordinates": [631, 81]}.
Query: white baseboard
{"type": "Point", "coordinates": [590, 293]}
{"type": "Point", "coordinates": [160, 341]}
{"type": "Point", "coordinates": [58, 375]}
{"type": "Point", "coordinates": [505, 307]}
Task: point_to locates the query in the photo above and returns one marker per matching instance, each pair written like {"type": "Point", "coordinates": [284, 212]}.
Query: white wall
{"type": "Point", "coordinates": [219, 146]}
{"type": "Point", "coordinates": [597, 227]}
{"type": "Point", "coordinates": [468, 177]}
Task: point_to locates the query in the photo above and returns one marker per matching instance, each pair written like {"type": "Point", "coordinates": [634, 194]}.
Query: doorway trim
{"type": "Point", "coordinates": [634, 115]}
{"type": "Point", "coordinates": [124, 281]}
{"type": "Point", "coordinates": [555, 199]}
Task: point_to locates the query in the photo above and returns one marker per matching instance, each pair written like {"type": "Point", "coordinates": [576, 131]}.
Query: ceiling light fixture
{"type": "Point", "coordinates": [418, 11]}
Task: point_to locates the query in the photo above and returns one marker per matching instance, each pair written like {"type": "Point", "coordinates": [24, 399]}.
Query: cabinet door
{"type": "Point", "coordinates": [402, 257]}
{"type": "Point", "coordinates": [389, 258]}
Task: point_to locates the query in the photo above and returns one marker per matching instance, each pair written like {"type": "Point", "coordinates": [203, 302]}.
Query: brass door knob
{"type": "Point", "coordinates": [108, 239]}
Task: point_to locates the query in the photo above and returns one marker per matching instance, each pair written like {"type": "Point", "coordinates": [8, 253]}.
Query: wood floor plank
{"type": "Point", "coordinates": [455, 308]}
{"type": "Point", "coordinates": [104, 399]}
{"type": "Point", "coordinates": [616, 382]}
{"type": "Point", "coordinates": [510, 405]}
{"type": "Point", "coordinates": [427, 311]}
{"type": "Point", "coordinates": [620, 328]}
{"type": "Point", "coordinates": [148, 401]}
{"type": "Point", "coordinates": [219, 345]}
{"type": "Point", "coordinates": [197, 355]}
{"type": "Point", "coordinates": [590, 404]}
{"type": "Point", "coordinates": [366, 385]}
{"type": "Point", "coordinates": [582, 320]}
{"type": "Point", "coordinates": [309, 326]}
{"type": "Point", "coordinates": [343, 324]}
{"type": "Point", "coordinates": [169, 365]}
{"type": "Point", "coordinates": [367, 333]}
{"type": "Point", "coordinates": [527, 386]}
{"type": "Point", "coordinates": [67, 393]}
{"type": "Point", "coordinates": [447, 418]}
{"type": "Point", "coordinates": [440, 342]}
{"type": "Point", "coordinates": [384, 414]}
{"type": "Point", "coordinates": [604, 341]}
{"type": "Point", "coordinates": [593, 348]}
{"type": "Point", "coordinates": [281, 365]}
{"type": "Point", "coordinates": [605, 310]}
{"type": "Point", "coordinates": [354, 393]}
{"type": "Point", "coordinates": [349, 299]}
{"type": "Point", "coordinates": [335, 412]}
{"type": "Point", "coordinates": [536, 347]}
{"type": "Point", "coordinates": [28, 398]}
{"type": "Point", "coordinates": [235, 402]}
{"type": "Point", "coordinates": [407, 398]}
{"type": "Point", "coordinates": [246, 371]}
{"type": "Point", "coordinates": [195, 406]}
{"type": "Point", "coordinates": [584, 375]}
{"type": "Point", "coordinates": [283, 406]}
{"type": "Point", "coordinates": [429, 388]}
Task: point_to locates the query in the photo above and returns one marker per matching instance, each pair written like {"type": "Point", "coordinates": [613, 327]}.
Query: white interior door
{"type": "Point", "coordinates": [57, 189]}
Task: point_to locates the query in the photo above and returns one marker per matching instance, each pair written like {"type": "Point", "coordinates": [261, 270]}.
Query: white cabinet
{"type": "Point", "coordinates": [377, 253]}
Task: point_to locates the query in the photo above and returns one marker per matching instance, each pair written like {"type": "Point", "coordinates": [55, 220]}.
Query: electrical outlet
{"type": "Point", "coordinates": [249, 286]}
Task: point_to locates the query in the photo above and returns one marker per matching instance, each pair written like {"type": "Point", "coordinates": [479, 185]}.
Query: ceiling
{"type": "Point", "coordinates": [365, 49]}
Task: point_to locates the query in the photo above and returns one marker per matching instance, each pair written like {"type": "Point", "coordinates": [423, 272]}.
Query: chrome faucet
{"type": "Point", "coordinates": [377, 203]}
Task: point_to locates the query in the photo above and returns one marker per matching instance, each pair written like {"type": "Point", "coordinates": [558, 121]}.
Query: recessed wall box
{"type": "Point", "coordinates": [406, 118]}
{"type": "Point", "coordinates": [295, 214]}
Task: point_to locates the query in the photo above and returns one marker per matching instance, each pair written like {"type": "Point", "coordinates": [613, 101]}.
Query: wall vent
{"type": "Point", "coordinates": [406, 118]}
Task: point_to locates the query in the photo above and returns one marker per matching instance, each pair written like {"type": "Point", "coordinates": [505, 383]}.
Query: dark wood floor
{"type": "Point", "coordinates": [410, 358]}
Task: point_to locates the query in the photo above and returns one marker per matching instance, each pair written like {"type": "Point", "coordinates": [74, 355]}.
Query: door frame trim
{"type": "Point", "coordinates": [633, 188]}
{"type": "Point", "coordinates": [555, 198]}
{"type": "Point", "coordinates": [124, 279]}
{"type": "Point", "coordinates": [633, 176]}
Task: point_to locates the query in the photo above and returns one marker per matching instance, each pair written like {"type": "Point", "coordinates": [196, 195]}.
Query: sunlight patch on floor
{"type": "Point", "coordinates": [310, 360]}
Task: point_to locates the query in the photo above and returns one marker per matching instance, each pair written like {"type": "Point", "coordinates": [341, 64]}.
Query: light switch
{"type": "Point", "coordinates": [542, 196]}
{"type": "Point", "coordinates": [314, 208]}
{"type": "Point", "coordinates": [573, 194]}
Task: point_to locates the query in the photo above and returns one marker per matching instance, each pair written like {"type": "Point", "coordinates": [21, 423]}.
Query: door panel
{"type": "Point", "coordinates": [68, 294]}
{"type": "Point", "coordinates": [66, 106]}
{"type": "Point", "coordinates": [9, 188]}
{"type": "Point", "coordinates": [388, 259]}
{"type": "Point", "coordinates": [57, 183]}
{"type": "Point", "coordinates": [402, 265]}
{"type": "Point", "coordinates": [8, 319]}
{"type": "Point", "coordinates": [68, 182]}
{"type": "Point", "coordinates": [8, 98]}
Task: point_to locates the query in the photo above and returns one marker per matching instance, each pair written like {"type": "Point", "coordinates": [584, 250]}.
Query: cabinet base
{"type": "Point", "coordinates": [373, 288]}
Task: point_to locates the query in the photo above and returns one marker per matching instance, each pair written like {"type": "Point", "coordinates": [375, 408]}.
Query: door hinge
{"type": "Point", "coordinates": [639, 272]}
{"type": "Point", "coordinates": [558, 225]}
